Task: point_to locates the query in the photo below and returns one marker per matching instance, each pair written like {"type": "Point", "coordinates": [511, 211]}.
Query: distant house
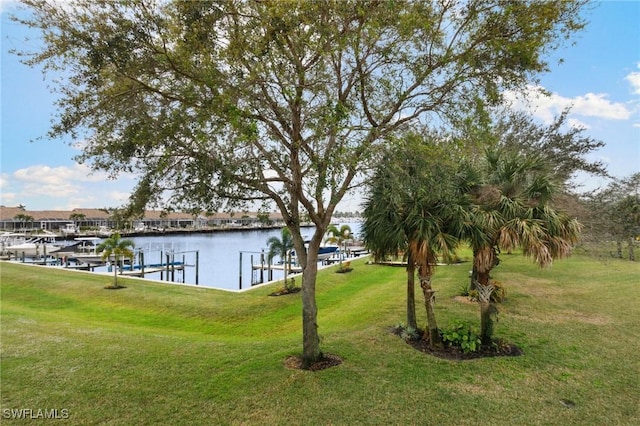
{"type": "Point", "coordinates": [12, 219]}
{"type": "Point", "coordinates": [52, 220]}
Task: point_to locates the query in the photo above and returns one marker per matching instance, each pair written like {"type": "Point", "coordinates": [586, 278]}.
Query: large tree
{"type": "Point", "coordinates": [563, 146]}
{"type": "Point", "coordinates": [615, 213]}
{"type": "Point", "coordinates": [410, 207]}
{"type": "Point", "coordinates": [234, 101]}
{"type": "Point", "coordinates": [512, 206]}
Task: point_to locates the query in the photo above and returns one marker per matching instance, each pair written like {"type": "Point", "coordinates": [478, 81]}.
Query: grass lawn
{"type": "Point", "coordinates": [163, 354]}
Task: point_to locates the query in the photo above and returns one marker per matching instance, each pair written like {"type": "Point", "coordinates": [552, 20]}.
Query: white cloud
{"type": "Point", "coordinates": [120, 197]}
{"type": "Point", "coordinates": [578, 124]}
{"type": "Point", "coordinates": [39, 187]}
{"type": "Point", "coordinates": [51, 190]}
{"type": "Point", "coordinates": [634, 79]}
{"type": "Point", "coordinates": [8, 5]}
{"type": "Point", "coordinates": [61, 175]}
{"type": "Point", "coordinates": [8, 198]}
{"type": "Point", "coordinates": [546, 106]}
{"type": "Point", "coordinates": [597, 105]}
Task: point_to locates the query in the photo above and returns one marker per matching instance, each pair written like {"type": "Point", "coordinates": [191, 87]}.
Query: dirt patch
{"type": "Point", "coordinates": [294, 362]}
{"type": "Point", "coordinates": [465, 299]}
{"type": "Point", "coordinates": [496, 348]}
{"type": "Point", "coordinates": [285, 292]}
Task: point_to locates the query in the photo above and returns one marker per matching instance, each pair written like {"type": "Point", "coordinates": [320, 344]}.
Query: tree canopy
{"type": "Point", "coordinates": [614, 213]}
{"type": "Point", "coordinates": [217, 103]}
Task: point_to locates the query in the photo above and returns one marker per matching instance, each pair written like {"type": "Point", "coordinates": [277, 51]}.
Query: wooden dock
{"type": "Point", "coordinates": [145, 271]}
{"type": "Point", "coordinates": [142, 270]}
{"type": "Point", "coordinates": [293, 268]}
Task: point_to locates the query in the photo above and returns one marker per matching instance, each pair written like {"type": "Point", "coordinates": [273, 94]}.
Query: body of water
{"type": "Point", "coordinates": [224, 258]}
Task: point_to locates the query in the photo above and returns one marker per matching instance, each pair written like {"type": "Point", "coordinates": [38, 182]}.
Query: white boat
{"type": "Point", "coordinates": [140, 227]}
{"type": "Point", "coordinates": [104, 231]}
{"type": "Point", "coordinates": [70, 229]}
{"type": "Point", "coordinates": [36, 245]}
{"type": "Point", "coordinates": [324, 253]}
{"type": "Point", "coordinates": [83, 251]}
{"type": "Point", "coordinates": [10, 239]}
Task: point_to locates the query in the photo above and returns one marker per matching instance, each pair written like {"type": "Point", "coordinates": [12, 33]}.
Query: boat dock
{"type": "Point", "coordinates": [294, 269]}
{"type": "Point", "coordinates": [142, 270]}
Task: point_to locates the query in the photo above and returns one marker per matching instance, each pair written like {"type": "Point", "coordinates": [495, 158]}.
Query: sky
{"type": "Point", "coordinates": [599, 79]}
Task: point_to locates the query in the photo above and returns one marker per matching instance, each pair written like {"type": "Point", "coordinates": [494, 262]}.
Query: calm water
{"type": "Point", "coordinates": [218, 255]}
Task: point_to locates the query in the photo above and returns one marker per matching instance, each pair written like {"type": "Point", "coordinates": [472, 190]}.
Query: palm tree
{"type": "Point", "coordinates": [339, 237]}
{"type": "Point", "coordinates": [282, 247]}
{"type": "Point", "coordinates": [511, 209]}
{"type": "Point", "coordinates": [410, 208]}
{"type": "Point", "coordinates": [383, 233]}
{"type": "Point", "coordinates": [427, 224]}
{"type": "Point", "coordinates": [119, 248]}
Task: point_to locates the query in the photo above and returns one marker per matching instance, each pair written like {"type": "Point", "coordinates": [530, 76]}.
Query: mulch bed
{"type": "Point", "coordinates": [285, 292]}
{"type": "Point", "coordinates": [498, 348]}
{"type": "Point", "coordinates": [294, 362]}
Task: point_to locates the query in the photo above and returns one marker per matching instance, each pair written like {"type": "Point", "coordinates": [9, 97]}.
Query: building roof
{"type": "Point", "coordinates": [9, 214]}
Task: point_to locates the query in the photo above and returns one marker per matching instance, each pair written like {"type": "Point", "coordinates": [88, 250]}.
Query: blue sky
{"type": "Point", "coordinates": [599, 79]}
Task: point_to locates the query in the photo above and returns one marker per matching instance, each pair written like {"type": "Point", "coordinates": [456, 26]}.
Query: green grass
{"type": "Point", "coordinates": [162, 354]}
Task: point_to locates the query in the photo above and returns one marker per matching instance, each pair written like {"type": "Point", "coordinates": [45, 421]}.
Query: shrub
{"type": "Point", "coordinates": [465, 289]}
{"type": "Point", "coordinates": [290, 284]}
{"type": "Point", "coordinates": [499, 292]}
{"type": "Point", "coordinates": [462, 336]}
{"type": "Point", "coordinates": [408, 334]}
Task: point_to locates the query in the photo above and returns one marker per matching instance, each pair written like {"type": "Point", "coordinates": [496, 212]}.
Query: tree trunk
{"type": "Point", "coordinates": [487, 310]}
{"type": "Point", "coordinates": [435, 340]}
{"type": "Point", "coordinates": [632, 255]}
{"type": "Point", "coordinates": [411, 294]}
{"type": "Point", "coordinates": [474, 278]}
{"type": "Point", "coordinates": [619, 249]}
{"type": "Point", "coordinates": [115, 273]}
{"type": "Point", "coordinates": [310, 339]}
{"type": "Point", "coordinates": [287, 265]}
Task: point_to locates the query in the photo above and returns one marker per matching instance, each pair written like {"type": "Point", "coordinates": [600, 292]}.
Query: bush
{"type": "Point", "coordinates": [408, 334]}
{"type": "Point", "coordinates": [465, 290]}
{"type": "Point", "coordinates": [499, 292]}
{"type": "Point", "coordinates": [462, 336]}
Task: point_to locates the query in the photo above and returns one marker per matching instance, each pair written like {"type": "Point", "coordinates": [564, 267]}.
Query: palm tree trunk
{"type": "Point", "coordinates": [411, 295]}
{"type": "Point", "coordinates": [485, 288]}
{"type": "Point", "coordinates": [474, 278]}
{"type": "Point", "coordinates": [287, 265]}
{"type": "Point", "coordinates": [115, 272]}
{"type": "Point", "coordinates": [435, 340]}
